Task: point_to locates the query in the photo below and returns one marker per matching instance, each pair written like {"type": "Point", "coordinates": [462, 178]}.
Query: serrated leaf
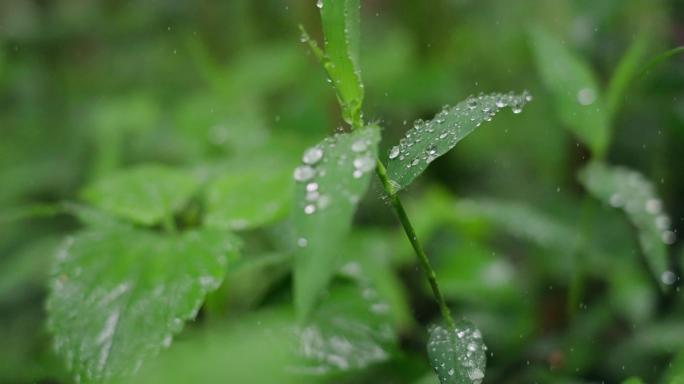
{"type": "Point", "coordinates": [145, 194]}
{"type": "Point", "coordinates": [574, 88]}
{"type": "Point", "coordinates": [332, 179]}
{"type": "Point", "coordinates": [249, 196]}
{"type": "Point", "coordinates": [118, 295]}
{"type": "Point", "coordinates": [457, 355]}
{"type": "Point", "coordinates": [341, 24]}
{"type": "Point", "coordinates": [631, 192]}
{"type": "Point", "coordinates": [427, 141]}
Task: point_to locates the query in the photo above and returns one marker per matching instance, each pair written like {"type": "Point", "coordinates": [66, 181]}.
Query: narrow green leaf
{"type": "Point", "coordinates": [249, 196]}
{"type": "Point", "coordinates": [426, 141]}
{"type": "Point", "coordinates": [341, 25]}
{"type": "Point", "coordinates": [332, 179]}
{"type": "Point", "coordinates": [458, 356]}
{"type": "Point", "coordinates": [630, 191]}
{"type": "Point", "coordinates": [520, 220]}
{"type": "Point", "coordinates": [574, 88]}
{"type": "Point", "coordinates": [660, 58]}
{"type": "Point", "coordinates": [625, 72]}
{"type": "Point", "coordinates": [145, 194]}
{"type": "Point", "coordinates": [118, 295]}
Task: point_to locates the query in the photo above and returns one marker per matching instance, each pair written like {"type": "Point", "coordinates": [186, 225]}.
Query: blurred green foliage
{"type": "Point", "coordinates": [213, 103]}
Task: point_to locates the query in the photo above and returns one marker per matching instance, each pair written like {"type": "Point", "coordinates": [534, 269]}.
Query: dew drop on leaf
{"type": "Point", "coordinates": [304, 173]}
{"type": "Point", "coordinates": [312, 155]}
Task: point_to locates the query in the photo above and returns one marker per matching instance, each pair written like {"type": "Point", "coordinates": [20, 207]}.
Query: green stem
{"type": "Point", "coordinates": [417, 246]}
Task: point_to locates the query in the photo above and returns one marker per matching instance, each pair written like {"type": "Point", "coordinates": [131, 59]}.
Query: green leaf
{"type": "Point", "coordinates": [249, 196]}
{"type": "Point", "coordinates": [426, 141]}
{"type": "Point", "coordinates": [351, 330]}
{"type": "Point", "coordinates": [255, 349]}
{"type": "Point", "coordinates": [146, 194]}
{"type": "Point", "coordinates": [332, 179]}
{"type": "Point", "coordinates": [520, 220]}
{"type": "Point", "coordinates": [341, 25]}
{"type": "Point", "coordinates": [118, 295]}
{"type": "Point", "coordinates": [675, 372]}
{"type": "Point", "coordinates": [630, 191]}
{"type": "Point", "coordinates": [625, 72]}
{"type": "Point", "coordinates": [457, 355]}
{"type": "Point", "coordinates": [633, 380]}
{"type": "Point", "coordinates": [574, 88]}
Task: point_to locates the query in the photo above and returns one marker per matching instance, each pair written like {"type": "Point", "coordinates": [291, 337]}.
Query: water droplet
{"type": "Point", "coordinates": [653, 206]}
{"type": "Point", "coordinates": [616, 200]}
{"type": "Point", "coordinates": [311, 187]}
{"type": "Point", "coordinates": [309, 209]}
{"type": "Point", "coordinates": [304, 173]}
{"type": "Point", "coordinates": [359, 145]}
{"type": "Point", "coordinates": [668, 277]}
{"type": "Point", "coordinates": [302, 242]}
{"type": "Point", "coordinates": [319, 3]}
{"type": "Point", "coordinates": [662, 222]}
{"type": "Point", "coordinates": [586, 96]}
{"type": "Point", "coordinates": [668, 237]}
{"type": "Point", "coordinates": [364, 164]}
{"type": "Point", "coordinates": [476, 374]}
{"type": "Point", "coordinates": [312, 155]}
{"type": "Point", "coordinates": [394, 152]}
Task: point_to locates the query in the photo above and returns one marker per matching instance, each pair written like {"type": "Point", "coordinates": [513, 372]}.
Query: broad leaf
{"type": "Point", "coordinates": [574, 89]}
{"type": "Point", "coordinates": [249, 196]}
{"type": "Point", "coordinates": [458, 356]}
{"type": "Point", "coordinates": [255, 349]}
{"type": "Point", "coordinates": [118, 295]}
{"type": "Point", "coordinates": [341, 19]}
{"type": "Point", "coordinates": [351, 330]}
{"type": "Point", "coordinates": [426, 141]}
{"type": "Point", "coordinates": [145, 194]}
{"type": "Point", "coordinates": [630, 191]}
{"type": "Point", "coordinates": [332, 179]}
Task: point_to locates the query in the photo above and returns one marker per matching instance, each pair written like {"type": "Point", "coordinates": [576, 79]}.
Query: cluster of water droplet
{"type": "Point", "coordinates": [629, 190]}
{"type": "Point", "coordinates": [638, 198]}
{"type": "Point", "coordinates": [428, 140]}
{"type": "Point", "coordinates": [313, 169]}
{"type": "Point", "coordinates": [347, 343]}
{"type": "Point", "coordinates": [457, 353]}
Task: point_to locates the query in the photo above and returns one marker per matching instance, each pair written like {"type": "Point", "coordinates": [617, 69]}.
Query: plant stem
{"type": "Point", "coordinates": [417, 246]}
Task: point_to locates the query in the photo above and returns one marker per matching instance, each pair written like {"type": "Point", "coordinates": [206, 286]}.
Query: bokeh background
{"type": "Point", "coordinates": [88, 88]}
